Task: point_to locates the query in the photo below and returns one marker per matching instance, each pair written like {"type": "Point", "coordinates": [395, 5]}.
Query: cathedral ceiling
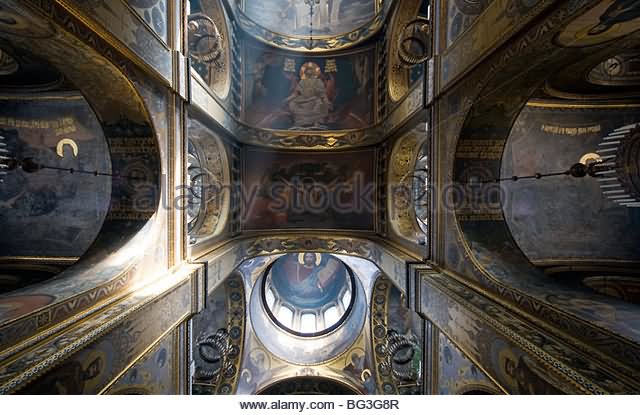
{"type": "Point", "coordinates": [541, 214]}
{"type": "Point", "coordinates": [308, 314]}
{"type": "Point", "coordinates": [491, 98]}
{"type": "Point", "coordinates": [345, 96]}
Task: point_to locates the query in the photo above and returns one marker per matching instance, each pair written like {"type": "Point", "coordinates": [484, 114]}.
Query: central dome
{"type": "Point", "coordinates": [308, 294]}
{"type": "Point", "coordinates": [329, 18]}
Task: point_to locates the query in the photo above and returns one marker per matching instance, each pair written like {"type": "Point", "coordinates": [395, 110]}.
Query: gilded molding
{"type": "Point", "coordinates": [53, 318]}
{"type": "Point", "coordinates": [222, 261]}
{"type": "Point", "coordinates": [29, 365]}
{"type": "Point", "coordinates": [236, 326]}
{"type": "Point", "coordinates": [575, 368]}
{"type": "Point", "coordinates": [398, 74]}
{"type": "Point", "coordinates": [384, 379]}
{"type": "Point", "coordinates": [309, 140]}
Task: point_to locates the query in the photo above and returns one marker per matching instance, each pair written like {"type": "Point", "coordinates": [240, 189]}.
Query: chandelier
{"type": "Point", "coordinates": [4, 157]}
{"type": "Point", "coordinates": [620, 177]}
{"type": "Point", "coordinates": [615, 165]}
{"type": "Point", "coordinates": [312, 4]}
{"type": "Point", "coordinates": [414, 42]}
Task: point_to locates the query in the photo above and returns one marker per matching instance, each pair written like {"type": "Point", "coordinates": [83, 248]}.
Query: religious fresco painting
{"type": "Point", "coordinates": [474, 27]}
{"type": "Point", "coordinates": [299, 279]}
{"type": "Point", "coordinates": [63, 212]}
{"type": "Point", "coordinates": [308, 280]}
{"type": "Point", "coordinates": [156, 373]}
{"type": "Point", "coordinates": [154, 14]}
{"type": "Point", "coordinates": [560, 237]}
{"type": "Point", "coordinates": [305, 281]}
{"type": "Point", "coordinates": [306, 190]}
{"type": "Point", "coordinates": [463, 14]}
{"type": "Point", "coordinates": [507, 363]}
{"type": "Point", "coordinates": [94, 368]}
{"type": "Point", "coordinates": [605, 22]}
{"type": "Point", "coordinates": [293, 92]}
{"type": "Point", "coordinates": [293, 18]}
{"type": "Point", "coordinates": [457, 375]}
{"type": "Point", "coordinates": [460, 15]}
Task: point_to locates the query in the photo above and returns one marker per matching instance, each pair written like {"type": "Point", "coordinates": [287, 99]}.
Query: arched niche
{"type": "Point", "coordinates": [478, 390]}
{"type": "Point", "coordinates": [402, 78]}
{"type": "Point", "coordinates": [565, 225]}
{"type": "Point", "coordinates": [210, 43]}
{"type": "Point", "coordinates": [407, 186]}
{"type": "Point", "coordinates": [309, 385]}
{"type": "Point", "coordinates": [209, 183]}
{"type": "Point", "coordinates": [108, 265]}
{"type": "Point", "coordinates": [499, 94]}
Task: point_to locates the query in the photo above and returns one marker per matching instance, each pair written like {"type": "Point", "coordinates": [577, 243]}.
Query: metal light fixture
{"type": "Point", "coordinates": [615, 164]}
{"type": "Point", "coordinates": [619, 177]}
{"type": "Point", "coordinates": [205, 40]}
{"type": "Point", "coordinates": [4, 158]}
{"type": "Point", "coordinates": [414, 42]}
{"type": "Point", "coordinates": [312, 4]}
{"type": "Point", "coordinates": [10, 162]}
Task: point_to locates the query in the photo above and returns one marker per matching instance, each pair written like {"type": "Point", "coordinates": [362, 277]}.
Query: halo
{"type": "Point", "coordinates": [306, 65]}
{"type": "Point", "coordinates": [66, 142]}
{"type": "Point", "coordinates": [301, 257]}
{"type": "Point", "coordinates": [590, 157]}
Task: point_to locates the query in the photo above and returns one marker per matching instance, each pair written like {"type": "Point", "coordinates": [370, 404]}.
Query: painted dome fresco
{"type": "Point", "coordinates": [292, 18]}
{"type": "Point", "coordinates": [308, 293]}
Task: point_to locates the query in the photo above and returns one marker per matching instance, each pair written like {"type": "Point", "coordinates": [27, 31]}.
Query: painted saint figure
{"type": "Point", "coordinates": [619, 11]}
{"type": "Point", "coordinates": [308, 280]}
{"type": "Point", "coordinates": [309, 103]}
